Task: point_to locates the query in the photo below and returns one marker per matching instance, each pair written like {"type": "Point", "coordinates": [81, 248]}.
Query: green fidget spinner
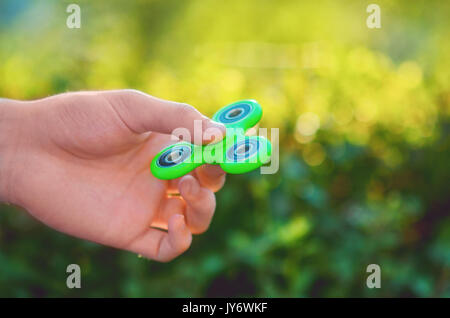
{"type": "Point", "coordinates": [236, 153]}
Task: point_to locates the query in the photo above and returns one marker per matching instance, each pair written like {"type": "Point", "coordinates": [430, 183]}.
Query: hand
{"type": "Point", "coordinates": [80, 163]}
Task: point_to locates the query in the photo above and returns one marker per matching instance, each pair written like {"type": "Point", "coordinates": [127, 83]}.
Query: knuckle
{"type": "Point", "coordinates": [122, 97]}
{"type": "Point", "coordinates": [186, 110]}
{"type": "Point", "coordinates": [132, 92]}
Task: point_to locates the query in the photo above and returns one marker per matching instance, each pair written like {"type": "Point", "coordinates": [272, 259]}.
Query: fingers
{"type": "Point", "coordinates": [211, 177]}
{"type": "Point", "coordinates": [162, 246]}
{"type": "Point", "coordinates": [200, 204]}
{"type": "Point", "coordinates": [142, 113]}
{"type": "Point", "coordinates": [172, 185]}
{"type": "Point", "coordinates": [169, 207]}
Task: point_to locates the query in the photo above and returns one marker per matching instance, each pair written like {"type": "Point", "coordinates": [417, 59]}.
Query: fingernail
{"type": "Point", "coordinates": [187, 187]}
{"type": "Point", "coordinates": [215, 124]}
{"type": "Point", "coordinates": [215, 129]}
{"type": "Point", "coordinates": [181, 216]}
{"type": "Point", "coordinates": [176, 221]}
{"type": "Point", "coordinates": [193, 188]}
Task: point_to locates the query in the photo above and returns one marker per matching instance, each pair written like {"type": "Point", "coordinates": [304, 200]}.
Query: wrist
{"type": "Point", "coordinates": [12, 124]}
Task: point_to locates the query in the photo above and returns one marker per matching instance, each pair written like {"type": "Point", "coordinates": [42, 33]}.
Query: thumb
{"type": "Point", "coordinates": [142, 113]}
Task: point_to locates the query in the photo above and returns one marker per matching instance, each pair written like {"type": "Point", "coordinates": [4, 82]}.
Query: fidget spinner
{"type": "Point", "coordinates": [235, 153]}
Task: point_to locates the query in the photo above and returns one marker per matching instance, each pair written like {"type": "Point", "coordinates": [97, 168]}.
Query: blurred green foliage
{"type": "Point", "coordinates": [364, 142]}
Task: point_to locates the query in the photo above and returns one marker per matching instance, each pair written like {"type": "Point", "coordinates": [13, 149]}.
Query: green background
{"type": "Point", "coordinates": [364, 142]}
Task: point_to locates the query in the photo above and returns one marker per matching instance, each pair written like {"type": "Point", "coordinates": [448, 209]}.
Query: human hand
{"type": "Point", "coordinates": [79, 162]}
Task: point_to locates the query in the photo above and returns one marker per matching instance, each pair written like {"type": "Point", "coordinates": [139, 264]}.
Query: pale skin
{"type": "Point", "coordinates": [79, 162]}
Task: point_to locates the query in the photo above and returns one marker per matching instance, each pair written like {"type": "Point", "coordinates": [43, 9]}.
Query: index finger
{"type": "Point", "coordinates": [211, 176]}
{"type": "Point", "coordinates": [142, 113]}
